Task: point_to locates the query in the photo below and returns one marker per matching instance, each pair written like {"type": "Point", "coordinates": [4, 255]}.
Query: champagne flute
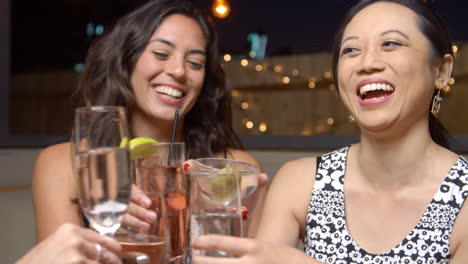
{"type": "Point", "coordinates": [102, 165]}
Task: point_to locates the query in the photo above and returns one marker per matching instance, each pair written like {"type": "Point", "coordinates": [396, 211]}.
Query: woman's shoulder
{"type": "Point", "coordinates": [52, 159]}
{"type": "Point", "coordinates": [299, 167]}
{"type": "Point", "coordinates": [244, 156]}
{"type": "Point", "coordinates": [58, 151]}
{"type": "Point", "coordinates": [451, 161]}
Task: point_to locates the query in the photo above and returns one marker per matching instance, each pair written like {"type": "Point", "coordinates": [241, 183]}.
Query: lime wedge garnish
{"type": "Point", "coordinates": [223, 187]}
{"type": "Point", "coordinates": [124, 142]}
{"type": "Point", "coordinates": [141, 140]}
{"type": "Point", "coordinates": [142, 147]}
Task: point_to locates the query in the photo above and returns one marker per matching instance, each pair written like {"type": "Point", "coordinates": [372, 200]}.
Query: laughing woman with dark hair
{"type": "Point", "coordinates": [398, 195]}
{"type": "Point", "coordinates": [159, 58]}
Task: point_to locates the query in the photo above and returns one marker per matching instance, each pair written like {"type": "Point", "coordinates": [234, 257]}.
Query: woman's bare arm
{"type": "Point", "coordinates": [54, 191]}
{"type": "Point", "coordinates": [284, 215]}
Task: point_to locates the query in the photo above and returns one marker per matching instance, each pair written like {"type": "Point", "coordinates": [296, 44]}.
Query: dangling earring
{"type": "Point", "coordinates": [351, 118]}
{"type": "Point", "coordinates": [436, 101]}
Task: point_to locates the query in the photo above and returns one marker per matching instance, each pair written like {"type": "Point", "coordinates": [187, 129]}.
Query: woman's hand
{"type": "Point", "coordinates": [262, 180]}
{"type": "Point", "coordinates": [247, 251]}
{"type": "Point", "coordinates": [139, 215]}
{"type": "Point", "coordinates": [250, 202]}
{"type": "Point", "coordinates": [73, 244]}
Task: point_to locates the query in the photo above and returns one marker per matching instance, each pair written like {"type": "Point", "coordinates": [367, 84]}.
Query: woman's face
{"type": "Point", "coordinates": [170, 72]}
{"type": "Point", "coordinates": [384, 72]}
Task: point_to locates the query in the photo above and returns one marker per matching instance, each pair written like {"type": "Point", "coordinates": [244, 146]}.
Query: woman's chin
{"type": "Point", "coordinates": [163, 112]}
{"type": "Point", "coordinates": [381, 126]}
{"type": "Point", "coordinates": [166, 117]}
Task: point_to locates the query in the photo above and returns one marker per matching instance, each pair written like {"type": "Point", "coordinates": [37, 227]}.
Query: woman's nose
{"type": "Point", "coordinates": [371, 61]}
{"type": "Point", "coordinates": [176, 67]}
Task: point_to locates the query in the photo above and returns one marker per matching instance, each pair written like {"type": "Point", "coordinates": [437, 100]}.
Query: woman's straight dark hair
{"type": "Point", "coordinates": [112, 58]}
{"type": "Point", "coordinates": [435, 30]}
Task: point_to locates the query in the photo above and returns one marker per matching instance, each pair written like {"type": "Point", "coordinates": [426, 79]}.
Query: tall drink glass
{"type": "Point", "coordinates": [101, 162]}
{"type": "Point", "coordinates": [160, 169]}
{"type": "Point", "coordinates": [215, 198]}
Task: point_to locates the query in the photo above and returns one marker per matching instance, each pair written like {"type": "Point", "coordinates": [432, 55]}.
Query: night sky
{"type": "Point", "coordinates": [51, 34]}
{"type": "Point", "coordinates": [309, 25]}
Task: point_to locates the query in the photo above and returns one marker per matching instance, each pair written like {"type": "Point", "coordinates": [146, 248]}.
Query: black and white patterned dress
{"type": "Point", "coordinates": [327, 238]}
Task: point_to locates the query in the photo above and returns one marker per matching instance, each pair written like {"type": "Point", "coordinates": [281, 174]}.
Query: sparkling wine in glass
{"type": "Point", "coordinates": [102, 165]}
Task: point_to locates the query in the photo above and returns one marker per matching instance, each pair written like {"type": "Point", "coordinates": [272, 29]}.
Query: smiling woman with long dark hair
{"type": "Point", "coordinates": [159, 58]}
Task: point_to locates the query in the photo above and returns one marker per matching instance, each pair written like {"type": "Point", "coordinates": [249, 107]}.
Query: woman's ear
{"type": "Point", "coordinates": [444, 71]}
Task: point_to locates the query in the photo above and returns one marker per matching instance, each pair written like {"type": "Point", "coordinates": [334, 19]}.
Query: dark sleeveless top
{"type": "Point", "coordinates": [327, 238]}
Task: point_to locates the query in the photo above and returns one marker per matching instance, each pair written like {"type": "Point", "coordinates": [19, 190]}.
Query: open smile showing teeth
{"type": "Point", "coordinates": [166, 90]}
{"type": "Point", "coordinates": [375, 91]}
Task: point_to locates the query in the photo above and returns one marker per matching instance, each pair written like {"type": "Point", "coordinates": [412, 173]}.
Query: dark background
{"type": "Point", "coordinates": [52, 34]}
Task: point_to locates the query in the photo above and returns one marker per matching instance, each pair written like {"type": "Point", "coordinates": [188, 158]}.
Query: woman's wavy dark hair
{"type": "Point", "coordinates": [435, 30]}
{"type": "Point", "coordinates": [112, 58]}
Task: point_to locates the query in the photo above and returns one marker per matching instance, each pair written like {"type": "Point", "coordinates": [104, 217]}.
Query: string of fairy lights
{"type": "Point", "coordinates": [284, 76]}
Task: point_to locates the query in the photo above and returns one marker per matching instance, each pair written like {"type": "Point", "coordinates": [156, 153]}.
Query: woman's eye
{"type": "Point", "coordinates": [160, 55]}
{"type": "Point", "coordinates": [196, 65]}
{"type": "Point", "coordinates": [348, 51]}
{"type": "Point", "coordinates": [390, 44]}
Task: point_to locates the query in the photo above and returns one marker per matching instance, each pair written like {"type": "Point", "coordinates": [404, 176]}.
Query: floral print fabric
{"type": "Point", "coordinates": [328, 240]}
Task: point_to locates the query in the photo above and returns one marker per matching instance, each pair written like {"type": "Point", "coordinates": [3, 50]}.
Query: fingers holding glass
{"type": "Point", "coordinates": [151, 244]}
{"type": "Point", "coordinates": [138, 217]}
